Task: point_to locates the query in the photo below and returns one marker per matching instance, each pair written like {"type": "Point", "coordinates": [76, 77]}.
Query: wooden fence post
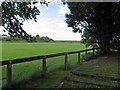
{"type": "Point", "coordinates": [86, 53]}
{"type": "Point", "coordinates": [78, 57]}
{"type": "Point", "coordinates": [93, 51]}
{"type": "Point", "coordinates": [44, 66]}
{"type": "Point", "coordinates": [9, 74]}
{"type": "Point", "coordinates": [66, 60]}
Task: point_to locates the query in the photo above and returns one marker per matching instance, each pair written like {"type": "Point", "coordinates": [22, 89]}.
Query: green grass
{"type": "Point", "coordinates": [0, 59]}
{"type": "Point", "coordinates": [108, 66]}
{"type": "Point", "coordinates": [18, 50]}
{"type": "Point", "coordinates": [27, 75]}
{"type": "Point", "coordinates": [101, 65]}
{"type": "Point", "coordinates": [25, 70]}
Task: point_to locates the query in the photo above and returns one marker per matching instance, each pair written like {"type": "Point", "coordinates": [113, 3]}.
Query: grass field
{"type": "Point", "coordinates": [27, 75]}
{"type": "Point", "coordinates": [18, 50]}
{"type": "Point", "coordinates": [25, 70]}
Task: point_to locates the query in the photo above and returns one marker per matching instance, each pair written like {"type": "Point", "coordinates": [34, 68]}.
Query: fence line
{"type": "Point", "coordinates": [43, 58]}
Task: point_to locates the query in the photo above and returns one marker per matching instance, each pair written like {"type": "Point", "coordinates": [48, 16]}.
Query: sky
{"type": "Point", "coordinates": [51, 23]}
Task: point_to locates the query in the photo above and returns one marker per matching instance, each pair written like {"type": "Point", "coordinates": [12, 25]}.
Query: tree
{"type": "Point", "coordinates": [37, 36]}
{"type": "Point", "coordinates": [15, 13]}
{"type": "Point", "coordinates": [0, 15]}
{"type": "Point", "coordinates": [98, 22]}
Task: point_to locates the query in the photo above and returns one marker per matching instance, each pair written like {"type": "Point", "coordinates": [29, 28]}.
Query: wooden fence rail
{"type": "Point", "coordinates": [43, 58]}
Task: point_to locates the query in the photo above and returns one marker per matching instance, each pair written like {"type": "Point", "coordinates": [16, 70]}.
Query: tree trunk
{"type": "Point", "coordinates": [105, 47]}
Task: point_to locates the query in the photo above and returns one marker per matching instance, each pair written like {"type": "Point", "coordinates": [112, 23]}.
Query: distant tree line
{"type": "Point", "coordinates": [36, 38]}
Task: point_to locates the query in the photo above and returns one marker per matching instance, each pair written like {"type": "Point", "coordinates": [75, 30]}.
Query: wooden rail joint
{"type": "Point", "coordinates": [44, 66]}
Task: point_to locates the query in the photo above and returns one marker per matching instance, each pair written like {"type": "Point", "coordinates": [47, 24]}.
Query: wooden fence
{"type": "Point", "coordinates": [9, 63]}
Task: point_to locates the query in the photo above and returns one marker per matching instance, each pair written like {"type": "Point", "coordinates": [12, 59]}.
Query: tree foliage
{"type": "Point", "coordinates": [37, 38]}
{"type": "Point", "coordinates": [98, 22]}
{"type": "Point", "coordinates": [15, 13]}
{"type": "Point", "coordinates": [0, 15]}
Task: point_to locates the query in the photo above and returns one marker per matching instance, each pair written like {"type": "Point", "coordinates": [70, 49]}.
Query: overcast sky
{"type": "Point", "coordinates": [51, 23]}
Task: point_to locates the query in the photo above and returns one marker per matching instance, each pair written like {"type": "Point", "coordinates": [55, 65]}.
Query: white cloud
{"type": "Point", "coordinates": [63, 10]}
{"type": "Point", "coordinates": [52, 28]}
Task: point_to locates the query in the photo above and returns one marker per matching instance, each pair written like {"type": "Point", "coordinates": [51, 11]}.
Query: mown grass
{"type": "Point", "coordinates": [108, 66]}
{"type": "Point", "coordinates": [18, 50]}
{"type": "Point", "coordinates": [23, 71]}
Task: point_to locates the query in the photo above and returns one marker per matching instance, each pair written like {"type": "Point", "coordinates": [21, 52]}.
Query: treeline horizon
{"type": "Point", "coordinates": [37, 38]}
{"type": "Point", "coordinates": [7, 38]}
